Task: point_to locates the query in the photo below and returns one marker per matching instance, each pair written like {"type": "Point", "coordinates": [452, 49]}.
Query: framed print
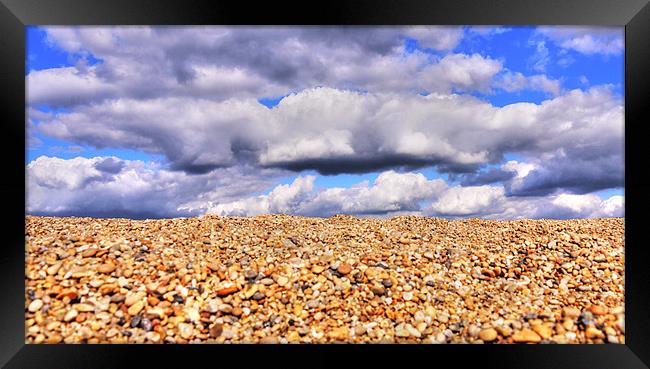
{"type": "Point", "coordinates": [347, 180]}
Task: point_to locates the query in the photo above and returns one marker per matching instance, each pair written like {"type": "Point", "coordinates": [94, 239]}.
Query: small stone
{"type": "Point", "coordinates": [387, 283]}
{"type": "Point", "coordinates": [338, 334]}
{"type": "Point", "coordinates": [526, 336]}
{"type": "Point", "coordinates": [70, 315]}
{"type": "Point", "coordinates": [250, 274]}
{"type": "Point", "coordinates": [317, 269]}
{"type": "Point", "coordinates": [488, 335]}
{"type": "Point", "coordinates": [413, 331]}
{"type": "Point", "coordinates": [89, 253]}
{"type": "Point", "coordinates": [215, 330]}
{"type": "Point", "coordinates": [54, 268]}
{"type": "Point", "coordinates": [193, 314]}
{"type": "Point", "coordinates": [598, 310]}
{"type": "Point", "coordinates": [282, 281]}
{"type": "Point", "coordinates": [570, 312]}
{"type": "Point", "coordinates": [258, 296]}
{"type": "Point", "coordinates": [401, 331]}
{"type": "Point", "coordinates": [133, 298]}
{"type": "Point", "coordinates": [35, 306]}
{"type": "Point", "coordinates": [359, 330]}
{"type": "Point", "coordinates": [84, 308]}
{"type": "Point", "coordinates": [185, 330]}
{"type": "Point", "coordinates": [407, 296]}
{"type": "Point", "coordinates": [543, 330]}
{"type": "Point", "coordinates": [344, 268]}
{"type": "Point", "coordinates": [225, 308]}
{"type": "Point", "coordinates": [136, 308]}
{"type": "Point", "coordinates": [442, 317]}
{"type": "Point", "coordinates": [269, 340]}
{"type": "Point", "coordinates": [378, 290]}
{"type": "Point", "coordinates": [594, 333]}
{"type": "Point", "coordinates": [112, 333]}
{"type": "Point", "coordinates": [227, 291]}
{"type": "Point", "coordinates": [135, 321]}
{"type": "Point", "coordinates": [146, 324]}
{"type": "Point", "coordinates": [106, 268]}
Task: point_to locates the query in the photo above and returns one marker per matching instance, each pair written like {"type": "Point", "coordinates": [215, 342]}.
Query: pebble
{"type": "Point", "coordinates": [136, 308]}
{"type": "Point", "coordinates": [146, 324]}
{"type": "Point", "coordinates": [70, 315]}
{"type": "Point", "coordinates": [106, 268]}
{"type": "Point", "coordinates": [378, 290]}
{"type": "Point", "coordinates": [544, 331]}
{"type": "Point", "coordinates": [488, 335]}
{"type": "Point", "coordinates": [282, 281]}
{"type": "Point", "coordinates": [570, 312]}
{"type": "Point", "coordinates": [185, 330]}
{"type": "Point", "coordinates": [526, 335]}
{"type": "Point", "coordinates": [135, 321]}
{"type": "Point", "coordinates": [593, 333]}
{"type": "Point", "coordinates": [35, 306]}
{"type": "Point", "coordinates": [250, 274]}
{"type": "Point", "coordinates": [344, 268]}
{"type": "Point", "coordinates": [215, 330]}
{"type": "Point", "coordinates": [193, 315]}
{"type": "Point", "coordinates": [317, 269]}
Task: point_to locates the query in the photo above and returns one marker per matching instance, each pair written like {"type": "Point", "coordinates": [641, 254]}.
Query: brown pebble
{"type": "Point", "coordinates": [344, 268]}
{"type": "Point", "coordinates": [216, 330]}
{"type": "Point", "coordinates": [106, 268]}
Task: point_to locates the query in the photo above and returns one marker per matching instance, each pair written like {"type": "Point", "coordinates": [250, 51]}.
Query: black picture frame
{"type": "Point", "coordinates": [16, 14]}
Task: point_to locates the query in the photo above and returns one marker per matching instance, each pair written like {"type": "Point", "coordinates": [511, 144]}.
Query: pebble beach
{"type": "Point", "coordinates": [343, 279]}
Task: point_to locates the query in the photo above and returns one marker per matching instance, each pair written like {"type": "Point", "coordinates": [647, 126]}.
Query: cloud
{"type": "Point", "coordinates": [391, 192]}
{"type": "Point", "coordinates": [111, 187]}
{"type": "Point", "coordinates": [463, 201]}
{"type": "Point", "coordinates": [586, 40]}
{"type": "Point", "coordinates": [492, 202]}
{"type": "Point", "coordinates": [327, 130]}
{"type": "Point", "coordinates": [540, 59]}
{"type": "Point", "coordinates": [228, 62]}
{"type": "Point", "coordinates": [488, 31]}
{"type": "Point", "coordinates": [512, 82]}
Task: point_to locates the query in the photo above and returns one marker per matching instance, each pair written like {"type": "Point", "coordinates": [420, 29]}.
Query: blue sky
{"type": "Point", "coordinates": [105, 92]}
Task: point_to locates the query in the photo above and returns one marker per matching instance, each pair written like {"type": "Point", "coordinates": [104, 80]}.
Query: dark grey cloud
{"type": "Point", "coordinates": [574, 175]}
{"type": "Point", "coordinates": [110, 165]}
{"type": "Point", "coordinates": [489, 176]}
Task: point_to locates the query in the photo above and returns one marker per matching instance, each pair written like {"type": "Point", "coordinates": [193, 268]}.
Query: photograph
{"type": "Point", "coordinates": [410, 184]}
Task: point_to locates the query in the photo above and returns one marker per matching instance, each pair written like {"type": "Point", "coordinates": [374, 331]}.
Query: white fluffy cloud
{"type": "Point", "coordinates": [512, 82]}
{"type": "Point", "coordinates": [391, 192]}
{"type": "Point", "coordinates": [491, 202]}
{"type": "Point", "coordinates": [586, 40]}
{"type": "Point", "coordinates": [469, 200]}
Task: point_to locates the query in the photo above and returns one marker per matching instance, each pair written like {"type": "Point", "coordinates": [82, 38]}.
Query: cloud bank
{"type": "Point", "coordinates": [351, 100]}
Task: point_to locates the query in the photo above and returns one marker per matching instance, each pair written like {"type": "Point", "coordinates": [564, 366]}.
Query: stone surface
{"type": "Point", "coordinates": [283, 279]}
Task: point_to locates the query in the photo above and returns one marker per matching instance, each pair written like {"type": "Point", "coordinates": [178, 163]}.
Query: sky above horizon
{"type": "Point", "coordinates": [455, 122]}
